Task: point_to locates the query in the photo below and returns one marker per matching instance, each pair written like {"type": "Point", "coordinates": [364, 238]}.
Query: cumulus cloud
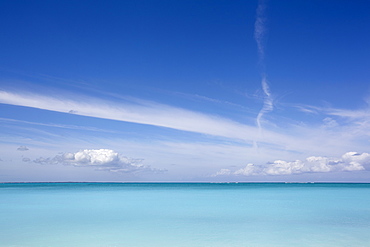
{"type": "Point", "coordinates": [350, 161]}
{"type": "Point", "coordinates": [223, 172]}
{"type": "Point", "coordinates": [100, 159]}
{"type": "Point", "coordinates": [249, 169]}
{"type": "Point", "coordinates": [356, 160]}
{"type": "Point", "coordinates": [22, 148]}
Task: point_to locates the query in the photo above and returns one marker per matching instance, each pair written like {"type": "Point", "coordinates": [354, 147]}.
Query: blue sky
{"type": "Point", "coordinates": [154, 90]}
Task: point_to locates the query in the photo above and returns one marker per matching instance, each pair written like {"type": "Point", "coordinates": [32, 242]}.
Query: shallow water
{"type": "Point", "coordinates": [191, 215]}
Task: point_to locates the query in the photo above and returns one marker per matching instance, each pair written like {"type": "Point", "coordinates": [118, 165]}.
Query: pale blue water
{"type": "Point", "coordinates": [191, 215]}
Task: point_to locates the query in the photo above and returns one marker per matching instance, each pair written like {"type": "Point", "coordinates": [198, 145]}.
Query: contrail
{"type": "Point", "coordinates": [259, 36]}
{"type": "Point", "coordinates": [259, 29]}
{"type": "Point", "coordinates": [267, 103]}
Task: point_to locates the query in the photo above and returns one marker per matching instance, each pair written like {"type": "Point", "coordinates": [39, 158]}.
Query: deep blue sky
{"type": "Point", "coordinates": [156, 90]}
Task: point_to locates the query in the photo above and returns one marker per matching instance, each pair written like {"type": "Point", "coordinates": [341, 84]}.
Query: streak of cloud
{"type": "Point", "coordinates": [268, 104]}
{"type": "Point", "coordinates": [260, 28]}
{"type": "Point", "coordinates": [149, 113]}
{"type": "Point", "coordinates": [155, 114]}
{"type": "Point", "coordinates": [64, 126]}
{"type": "Point", "coordinates": [259, 36]}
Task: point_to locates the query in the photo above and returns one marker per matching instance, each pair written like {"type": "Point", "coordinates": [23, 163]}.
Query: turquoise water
{"type": "Point", "coordinates": [191, 215]}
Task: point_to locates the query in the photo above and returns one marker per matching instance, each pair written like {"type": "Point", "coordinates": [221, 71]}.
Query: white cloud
{"type": "Point", "coordinates": [151, 113]}
{"type": "Point", "coordinates": [137, 111]}
{"type": "Point", "coordinates": [259, 36]}
{"type": "Point", "coordinates": [339, 130]}
{"type": "Point", "coordinates": [281, 167]}
{"type": "Point", "coordinates": [100, 159]}
{"type": "Point", "coordinates": [279, 137]}
{"type": "Point", "coordinates": [329, 123]}
{"type": "Point", "coordinates": [355, 114]}
{"type": "Point", "coordinates": [356, 161]}
{"type": "Point", "coordinates": [267, 102]}
{"type": "Point", "coordinates": [350, 161]}
{"type": "Point", "coordinates": [249, 169]}
{"type": "Point", "coordinates": [22, 148]}
{"type": "Point", "coordinates": [223, 172]}
{"type": "Point", "coordinates": [260, 28]}
{"type": "Point", "coordinates": [64, 126]}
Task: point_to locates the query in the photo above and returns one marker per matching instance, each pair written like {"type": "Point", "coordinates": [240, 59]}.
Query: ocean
{"type": "Point", "coordinates": [184, 215]}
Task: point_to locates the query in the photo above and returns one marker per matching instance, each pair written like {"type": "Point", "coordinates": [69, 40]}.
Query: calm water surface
{"type": "Point", "coordinates": [179, 215]}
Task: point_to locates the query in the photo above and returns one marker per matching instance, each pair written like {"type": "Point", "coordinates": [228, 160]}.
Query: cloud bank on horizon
{"type": "Point", "coordinates": [350, 161]}
{"type": "Point", "coordinates": [100, 159]}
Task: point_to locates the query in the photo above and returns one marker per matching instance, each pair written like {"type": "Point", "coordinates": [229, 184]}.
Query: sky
{"type": "Point", "coordinates": [185, 91]}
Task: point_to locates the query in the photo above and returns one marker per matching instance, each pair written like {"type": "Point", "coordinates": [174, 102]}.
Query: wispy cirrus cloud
{"type": "Point", "coordinates": [362, 113]}
{"type": "Point", "coordinates": [63, 126]}
{"type": "Point", "coordinates": [353, 114]}
{"type": "Point", "coordinates": [353, 123]}
{"type": "Point", "coordinates": [142, 112]}
{"type": "Point", "coordinates": [291, 138]}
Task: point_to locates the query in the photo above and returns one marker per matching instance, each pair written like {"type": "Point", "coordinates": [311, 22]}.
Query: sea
{"type": "Point", "coordinates": [184, 214]}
